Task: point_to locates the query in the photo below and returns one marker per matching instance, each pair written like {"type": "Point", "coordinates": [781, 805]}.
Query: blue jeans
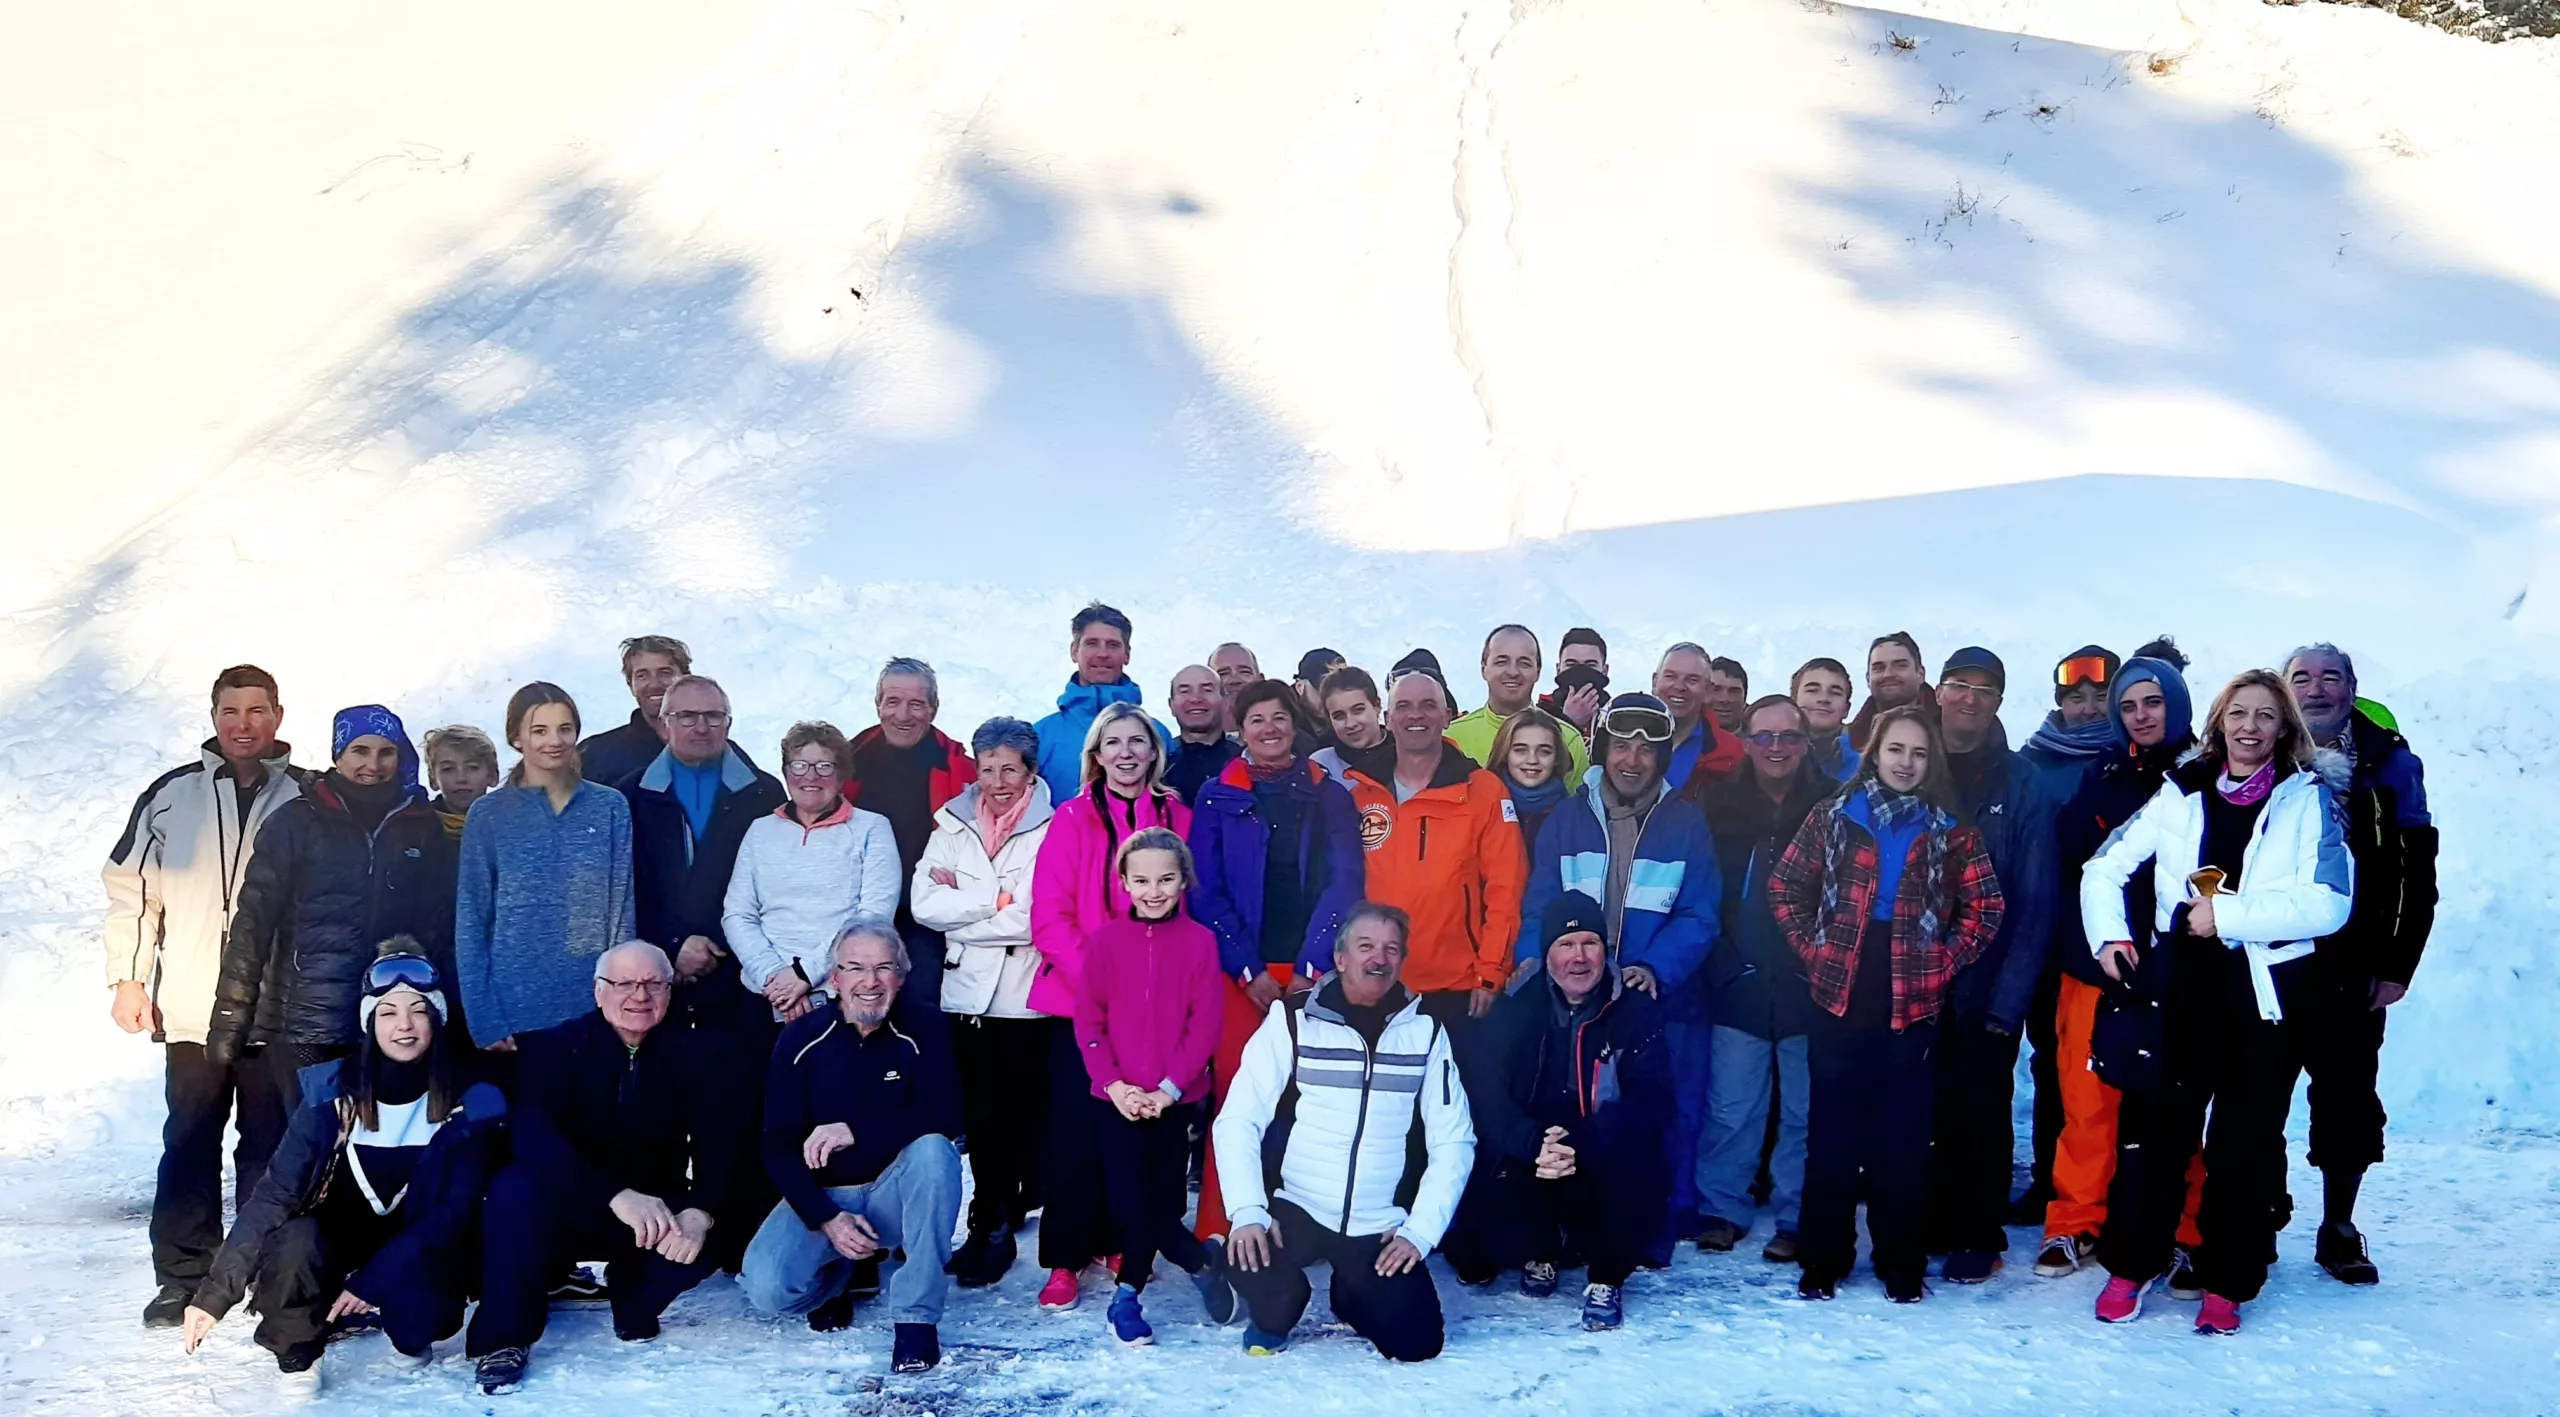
{"type": "Point", "coordinates": [1738, 1119]}
{"type": "Point", "coordinates": [914, 1203]}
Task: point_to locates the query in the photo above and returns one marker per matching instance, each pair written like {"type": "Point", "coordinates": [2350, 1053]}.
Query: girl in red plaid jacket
{"type": "Point", "coordinates": [1884, 894]}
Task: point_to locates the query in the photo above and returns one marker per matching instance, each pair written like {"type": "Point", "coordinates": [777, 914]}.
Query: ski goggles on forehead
{"type": "Point", "coordinates": [2087, 668]}
{"type": "Point", "coordinates": [1651, 725]}
{"type": "Point", "coordinates": [397, 971]}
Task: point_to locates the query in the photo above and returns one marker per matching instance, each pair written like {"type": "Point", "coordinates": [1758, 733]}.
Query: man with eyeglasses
{"type": "Point", "coordinates": [1626, 840]}
{"type": "Point", "coordinates": [2010, 803]}
{"type": "Point", "coordinates": [2365, 968]}
{"type": "Point", "coordinates": [862, 1100]}
{"type": "Point", "coordinates": [626, 1143]}
{"type": "Point", "coordinates": [650, 664]}
{"type": "Point", "coordinates": [690, 808]}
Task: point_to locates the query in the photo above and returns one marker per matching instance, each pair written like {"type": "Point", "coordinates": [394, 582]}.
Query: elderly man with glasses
{"type": "Point", "coordinates": [625, 1147]}
{"type": "Point", "coordinates": [1626, 840]}
{"type": "Point", "coordinates": [862, 1102]}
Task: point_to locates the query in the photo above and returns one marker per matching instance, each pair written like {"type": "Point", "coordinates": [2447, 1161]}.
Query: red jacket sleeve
{"type": "Point", "coordinates": [1795, 887]}
{"type": "Point", "coordinates": [1978, 902]}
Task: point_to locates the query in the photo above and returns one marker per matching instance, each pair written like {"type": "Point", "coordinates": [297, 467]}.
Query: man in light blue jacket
{"type": "Point", "coordinates": [1098, 641]}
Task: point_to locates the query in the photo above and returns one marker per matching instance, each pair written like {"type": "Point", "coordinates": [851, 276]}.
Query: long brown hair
{"type": "Point", "coordinates": [1937, 783]}
{"type": "Point", "coordinates": [1530, 717]}
{"type": "Point", "coordinates": [360, 1077]}
{"type": "Point", "coordinates": [2295, 747]}
{"type": "Point", "coordinates": [525, 700]}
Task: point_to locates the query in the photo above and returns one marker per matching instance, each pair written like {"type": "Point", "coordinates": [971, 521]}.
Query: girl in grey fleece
{"type": "Point", "coordinates": [541, 895]}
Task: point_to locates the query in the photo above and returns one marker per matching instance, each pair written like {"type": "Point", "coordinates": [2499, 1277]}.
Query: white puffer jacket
{"type": "Point", "coordinates": [2297, 880]}
{"type": "Point", "coordinates": [1345, 1155]}
{"type": "Point", "coordinates": [987, 957]}
{"type": "Point", "coordinates": [173, 878]}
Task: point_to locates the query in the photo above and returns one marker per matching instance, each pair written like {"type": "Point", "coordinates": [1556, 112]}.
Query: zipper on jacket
{"type": "Point", "coordinates": [1359, 1128]}
{"type": "Point", "coordinates": [1423, 853]}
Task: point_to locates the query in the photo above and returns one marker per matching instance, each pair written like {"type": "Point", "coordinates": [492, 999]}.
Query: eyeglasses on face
{"type": "Point", "coordinates": [640, 988]}
{"type": "Point", "coordinates": [1788, 738]}
{"type": "Point", "coordinates": [699, 718]}
{"type": "Point", "coordinates": [805, 768]}
{"type": "Point", "coordinates": [1959, 689]}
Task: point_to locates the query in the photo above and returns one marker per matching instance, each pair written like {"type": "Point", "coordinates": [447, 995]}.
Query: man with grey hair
{"type": "Point", "coordinates": [2365, 968]}
{"type": "Point", "coordinates": [1314, 1150]}
{"type": "Point", "coordinates": [1699, 747]}
{"type": "Point", "coordinates": [861, 1104]}
{"type": "Point", "coordinates": [690, 809]}
{"type": "Point", "coordinates": [625, 1148]}
{"type": "Point", "coordinates": [649, 664]}
{"type": "Point", "coordinates": [904, 768]}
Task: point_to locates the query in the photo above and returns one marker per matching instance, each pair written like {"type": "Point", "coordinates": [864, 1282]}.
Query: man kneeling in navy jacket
{"type": "Point", "coordinates": [860, 1108]}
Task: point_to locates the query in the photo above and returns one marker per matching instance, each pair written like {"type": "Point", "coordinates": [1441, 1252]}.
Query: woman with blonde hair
{"type": "Point", "coordinates": [2249, 869]}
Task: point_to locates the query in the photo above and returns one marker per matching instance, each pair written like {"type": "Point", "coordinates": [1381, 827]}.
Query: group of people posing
{"type": "Point", "coordinates": [1557, 983]}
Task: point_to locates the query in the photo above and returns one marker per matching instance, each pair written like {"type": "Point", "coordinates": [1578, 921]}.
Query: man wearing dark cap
{"type": "Point", "coordinates": [1570, 1085]}
{"type": "Point", "coordinates": [1626, 840]}
{"type": "Point", "coordinates": [2008, 802]}
{"type": "Point", "coordinates": [1309, 682]}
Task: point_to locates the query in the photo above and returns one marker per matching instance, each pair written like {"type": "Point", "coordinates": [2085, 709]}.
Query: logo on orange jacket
{"type": "Point", "coordinates": [1377, 822]}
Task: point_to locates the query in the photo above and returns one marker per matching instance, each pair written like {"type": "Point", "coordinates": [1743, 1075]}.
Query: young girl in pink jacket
{"type": "Point", "coordinates": [1152, 1003]}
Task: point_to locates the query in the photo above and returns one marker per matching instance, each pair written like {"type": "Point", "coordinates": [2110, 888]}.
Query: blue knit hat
{"type": "Point", "coordinates": [2173, 691]}
{"type": "Point", "coordinates": [373, 720]}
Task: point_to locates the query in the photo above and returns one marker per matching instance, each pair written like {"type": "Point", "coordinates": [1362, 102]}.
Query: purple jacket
{"type": "Point", "coordinates": [1153, 1005]}
{"type": "Point", "coordinates": [1230, 842]}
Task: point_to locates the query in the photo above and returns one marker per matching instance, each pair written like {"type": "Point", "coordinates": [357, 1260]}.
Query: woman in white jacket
{"type": "Point", "coordinates": [974, 885]}
{"type": "Point", "coordinates": [2249, 867]}
{"type": "Point", "coordinates": [804, 873]}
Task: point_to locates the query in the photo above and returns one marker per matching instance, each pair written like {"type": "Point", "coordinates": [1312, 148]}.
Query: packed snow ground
{"type": "Point", "coordinates": [415, 356]}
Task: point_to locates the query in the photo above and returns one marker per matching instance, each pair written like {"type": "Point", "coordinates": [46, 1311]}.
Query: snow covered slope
{"type": "Point", "coordinates": [416, 355]}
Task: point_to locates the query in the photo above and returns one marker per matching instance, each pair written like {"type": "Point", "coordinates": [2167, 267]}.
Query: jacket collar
{"type": "Point", "coordinates": [1081, 697]}
{"type": "Point", "coordinates": [1453, 769]}
{"type": "Point", "coordinates": [1325, 1004]}
{"type": "Point", "coordinates": [842, 814]}
{"type": "Point", "coordinates": [737, 774]}
{"type": "Point", "coordinates": [278, 760]}
{"type": "Point", "coordinates": [962, 810]}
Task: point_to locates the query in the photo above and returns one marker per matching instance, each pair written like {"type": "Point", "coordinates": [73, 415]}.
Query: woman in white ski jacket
{"type": "Point", "coordinates": [804, 873]}
{"type": "Point", "coordinates": [2247, 849]}
{"type": "Point", "coordinates": [973, 884]}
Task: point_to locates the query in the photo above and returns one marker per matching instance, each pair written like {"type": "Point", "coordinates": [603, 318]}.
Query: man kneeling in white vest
{"type": "Point", "coordinates": [1345, 1139]}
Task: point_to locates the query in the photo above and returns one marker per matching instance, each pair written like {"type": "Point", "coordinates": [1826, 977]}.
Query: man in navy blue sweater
{"type": "Point", "coordinates": [861, 1105]}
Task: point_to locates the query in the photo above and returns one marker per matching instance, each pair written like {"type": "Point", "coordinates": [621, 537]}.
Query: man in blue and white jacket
{"type": "Point", "coordinates": [1346, 1139]}
{"type": "Point", "coordinates": [1644, 852]}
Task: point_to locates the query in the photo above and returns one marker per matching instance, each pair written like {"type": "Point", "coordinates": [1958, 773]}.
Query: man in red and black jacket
{"type": "Point", "coordinates": [905, 769]}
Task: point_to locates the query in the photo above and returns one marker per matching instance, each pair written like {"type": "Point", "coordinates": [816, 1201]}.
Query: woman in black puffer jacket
{"type": "Point", "coordinates": [359, 858]}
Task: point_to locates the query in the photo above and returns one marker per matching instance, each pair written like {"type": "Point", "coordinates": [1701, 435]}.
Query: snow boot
{"type": "Point", "coordinates": [983, 1259]}
{"type": "Point", "coordinates": [1781, 1248]}
{"type": "Point", "coordinates": [168, 1308]}
{"type": "Point", "coordinates": [1970, 1267]}
{"type": "Point", "coordinates": [915, 1348]}
{"type": "Point", "coordinates": [1719, 1235]}
{"type": "Point", "coordinates": [833, 1316]}
{"type": "Point", "coordinates": [2341, 1251]}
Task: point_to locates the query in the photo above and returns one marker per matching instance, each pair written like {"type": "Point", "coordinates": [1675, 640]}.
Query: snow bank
{"type": "Point", "coordinates": [413, 365]}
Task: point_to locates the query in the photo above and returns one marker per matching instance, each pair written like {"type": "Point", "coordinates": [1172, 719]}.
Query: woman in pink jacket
{"type": "Point", "coordinates": [1075, 890]}
{"type": "Point", "coordinates": [1153, 1000]}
